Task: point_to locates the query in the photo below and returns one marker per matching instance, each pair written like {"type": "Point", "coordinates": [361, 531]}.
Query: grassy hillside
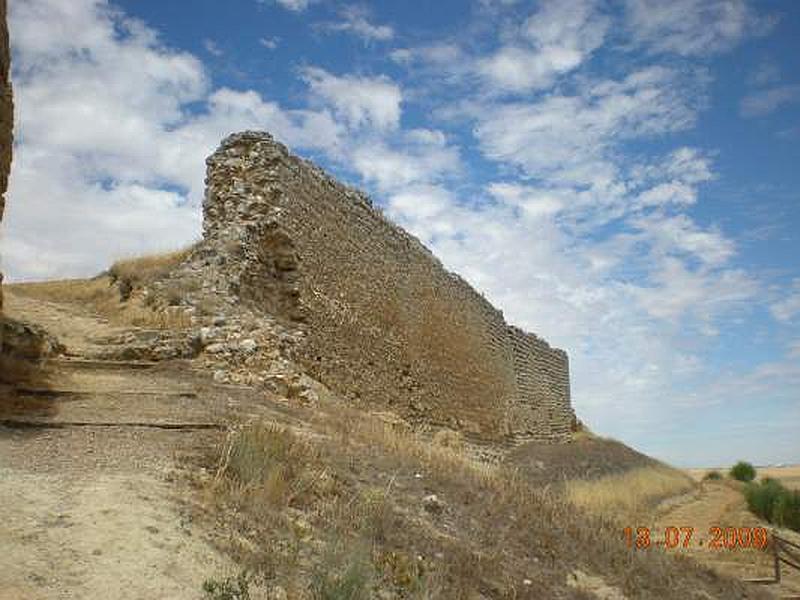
{"type": "Point", "coordinates": [343, 502]}
{"type": "Point", "coordinates": [322, 500]}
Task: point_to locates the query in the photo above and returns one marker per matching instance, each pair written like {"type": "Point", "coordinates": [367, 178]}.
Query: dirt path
{"type": "Point", "coordinates": [92, 511]}
{"type": "Point", "coordinates": [721, 504]}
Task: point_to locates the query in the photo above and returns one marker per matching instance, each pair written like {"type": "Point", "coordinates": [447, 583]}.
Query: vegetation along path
{"type": "Point", "coordinates": [721, 504]}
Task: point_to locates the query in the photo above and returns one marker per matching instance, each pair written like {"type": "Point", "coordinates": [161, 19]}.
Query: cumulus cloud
{"type": "Point", "coordinates": [679, 235]}
{"type": "Point", "coordinates": [354, 20]}
{"type": "Point", "coordinates": [361, 101]}
{"type": "Point", "coordinates": [534, 202]}
{"type": "Point", "coordinates": [788, 307]}
{"type": "Point", "coordinates": [571, 138]}
{"type": "Point", "coordinates": [292, 5]}
{"type": "Point", "coordinates": [693, 27]}
{"type": "Point", "coordinates": [418, 156]}
{"type": "Point", "coordinates": [270, 43]}
{"type": "Point", "coordinates": [106, 137]}
{"type": "Point", "coordinates": [555, 39]}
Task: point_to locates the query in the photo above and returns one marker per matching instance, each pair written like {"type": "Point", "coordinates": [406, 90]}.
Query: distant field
{"type": "Point", "coordinates": [788, 475]}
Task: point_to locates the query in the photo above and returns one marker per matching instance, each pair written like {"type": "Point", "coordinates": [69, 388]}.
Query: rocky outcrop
{"type": "Point", "coordinates": [6, 116]}
{"type": "Point", "coordinates": [27, 341]}
{"type": "Point", "coordinates": [375, 315]}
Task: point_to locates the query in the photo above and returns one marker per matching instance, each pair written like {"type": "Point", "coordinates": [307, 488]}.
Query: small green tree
{"type": "Point", "coordinates": [712, 476]}
{"type": "Point", "coordinates": [743, 471]}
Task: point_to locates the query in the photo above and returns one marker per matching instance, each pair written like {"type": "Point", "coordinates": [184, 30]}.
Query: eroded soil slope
{"type": "Point", "coordinates": [88, 506]}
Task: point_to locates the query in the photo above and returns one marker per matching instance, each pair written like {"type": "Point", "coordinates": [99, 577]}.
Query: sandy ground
{"type": "Point", "coordinates": [93, 511]}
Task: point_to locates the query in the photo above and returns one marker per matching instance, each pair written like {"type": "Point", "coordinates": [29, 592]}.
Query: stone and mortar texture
{"type": "Point", "coordinates": [6, 116]}
{"type": "Point", "coordinates": [361, 305]}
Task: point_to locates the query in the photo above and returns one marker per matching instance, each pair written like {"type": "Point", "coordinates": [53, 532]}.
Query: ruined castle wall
{"type": "Point", "coordinates": [6, 116]}
{"type": "Point", "coordinates": [386, 323]}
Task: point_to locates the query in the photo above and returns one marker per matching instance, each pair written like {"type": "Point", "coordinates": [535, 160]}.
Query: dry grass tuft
{"type": "Point", "coordinates": [112, 294]}
{"type": "Point", "coordinates": [630, 493]}
{"type": "Point", "coordinates": [358, 428]}
{"type": "Point", "coordinates": [134, 272]}
{"type": "Point", "coordinates": [340, 513]}
{"type": "Point", "coordinates": [449, 438]}
{"type": "Point", "coordinates": [267, 462]}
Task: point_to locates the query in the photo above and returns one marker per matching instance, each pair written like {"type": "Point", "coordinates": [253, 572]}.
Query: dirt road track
{"type": "Point", "coordinates": [92, 512]}
{"type": "Point", "coordinates": [721, 504]}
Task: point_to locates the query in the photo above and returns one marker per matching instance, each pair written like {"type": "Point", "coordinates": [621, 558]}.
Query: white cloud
{"type": "Point", "coordinates": [693, 27]}
{"type": "Point", "coordinates": [681, 292]}
{"type": "Point", "coordinates": [555, 39]}
{"type": "Point", "coordinates": [361, 101]}
{"type": "Point", "coordinates": [354, 20]}
{"type": "Point", "coordinates": [788, 308]}
{"type": "Point", "coordinates": [763, 102]}
{"type": "Point", "coordinates": [270, 43]}
{"type": "Point", "coordinates": [212, 47]}
{"type": "Point", "coordinates": [534, 202]}
{"type": "Point", "coordinates": [425, 205]}
{"type": "Point", "coordinates": [571, 138]}
{"type": "Point", "coordinates": [109, 158]}
{"type": "Point", "coordinates": [764, 74]}
{"type": "Point", "coordinates": [292, 5]}
{"type": "Point", "coordinates": [679, 235]}
{"type": "Point", "coordinates": [418, 156]}
{"type": "Point", "coordinates": [439, 54]}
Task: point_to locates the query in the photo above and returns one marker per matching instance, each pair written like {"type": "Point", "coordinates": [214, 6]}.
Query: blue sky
{"type": "Point", "coordinates": [619, 177]}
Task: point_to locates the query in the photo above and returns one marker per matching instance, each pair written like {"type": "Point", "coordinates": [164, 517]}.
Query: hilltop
{"type": "Point", "coordinates": [255, 411]}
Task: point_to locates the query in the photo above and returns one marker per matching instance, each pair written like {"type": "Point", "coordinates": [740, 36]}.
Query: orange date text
{"type": "Point", "coordinates": [718, 538]}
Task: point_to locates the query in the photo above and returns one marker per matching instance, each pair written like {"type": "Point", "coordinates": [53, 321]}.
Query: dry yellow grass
{"type": "Point", "coordinates": [788, 475]}
{"type": "Point", "coordinates": [100, 294]}
{"type": "Point", "coordinates": [445, 455]}
{"type": "Point", "coordinates": [630, 493]}
{"type": "Point", "coordinates": [116, 302]}
{"type": "Point", "coordinates": [142, 269]}
{"type": "Point", "coordinates": [348, 479]}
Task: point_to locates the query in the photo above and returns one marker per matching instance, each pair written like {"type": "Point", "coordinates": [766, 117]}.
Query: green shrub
{"type": "Point", "coordinates": [786, 511]}
{"type": "Point", "coordinates": [712, 476]}
{"type": "Point", "coordinates": [774, 502]}
{"type": "Point", "coordinates": [743, 471]}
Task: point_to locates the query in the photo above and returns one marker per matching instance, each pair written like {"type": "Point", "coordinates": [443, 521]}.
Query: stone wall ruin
{"type": "Point", "coordinates": [385, 323]}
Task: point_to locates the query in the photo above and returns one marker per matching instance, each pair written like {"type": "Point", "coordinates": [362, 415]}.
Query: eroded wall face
{"type": "Point", "coordinates": [386, 324]}
{"type": "Point", "coordinates": [6, 115]}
